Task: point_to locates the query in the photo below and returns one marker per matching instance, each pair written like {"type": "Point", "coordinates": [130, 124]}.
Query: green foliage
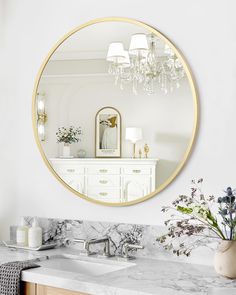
{"type": "Point", "coordinates": [195, 219]}
{"type": "Point", "coordinates": [68, 135]}
{"type": "Point", "coordinates": [184, 210]}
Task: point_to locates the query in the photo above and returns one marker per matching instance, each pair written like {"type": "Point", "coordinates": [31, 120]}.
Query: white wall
{"type": "Point", "coordinates": [204, 30]}
{"type": "Point", "coordinates": [167, 121]}
{"type": "Point", "coordinates": [9, 149]}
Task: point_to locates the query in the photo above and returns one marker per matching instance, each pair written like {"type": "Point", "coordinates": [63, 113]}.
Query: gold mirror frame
{"type": "Point", "coordinates": [193, 90]}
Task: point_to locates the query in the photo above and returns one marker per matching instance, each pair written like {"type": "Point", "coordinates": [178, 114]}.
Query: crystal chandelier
{"type": "Point", "coordinates": [144, 66]}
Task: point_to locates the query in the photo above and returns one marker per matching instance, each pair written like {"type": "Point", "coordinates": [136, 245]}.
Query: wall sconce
{"type": "Point", "coordinates": [41, 115]}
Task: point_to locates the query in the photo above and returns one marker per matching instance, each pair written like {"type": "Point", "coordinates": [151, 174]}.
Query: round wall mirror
{"type": "Point", "coordinates": [115, 111]}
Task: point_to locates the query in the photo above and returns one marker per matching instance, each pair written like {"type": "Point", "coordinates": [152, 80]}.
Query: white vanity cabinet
{"type": "Point", "coordinates": [108, 180]}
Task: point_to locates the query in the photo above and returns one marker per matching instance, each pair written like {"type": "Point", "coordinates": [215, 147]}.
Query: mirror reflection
{"type": "Point", "coordinates": [115, 112]}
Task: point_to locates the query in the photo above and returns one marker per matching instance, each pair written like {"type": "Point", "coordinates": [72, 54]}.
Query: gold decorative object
{"type": "Point", "coordinates": [146, 150]}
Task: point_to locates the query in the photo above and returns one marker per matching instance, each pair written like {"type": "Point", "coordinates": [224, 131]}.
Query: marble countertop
{"type": "Point", "coordinates": [147, 276]}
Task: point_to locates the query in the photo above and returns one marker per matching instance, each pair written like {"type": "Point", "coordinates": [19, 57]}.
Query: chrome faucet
{"type": "Point", "coordinates": [125, 250]}
{"type": "Point", "coordinates": [106, 242]}
{"type": "Point", "coordinates": [87, 243]}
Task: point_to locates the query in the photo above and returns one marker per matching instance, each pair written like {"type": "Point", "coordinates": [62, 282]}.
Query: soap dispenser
{"type": "Point", "coordinates": [22, 233]}
{"type": "Point", "coordinates": [35, 235]}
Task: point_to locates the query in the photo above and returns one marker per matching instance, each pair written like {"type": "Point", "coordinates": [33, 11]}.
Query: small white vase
{"type": "Point", "coordinates": [66, 150]}
{"type": "Point", "coordinates": [225, 259]}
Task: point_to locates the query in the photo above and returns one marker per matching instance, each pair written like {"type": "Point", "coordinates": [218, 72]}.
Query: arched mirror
{"type": "Point", "coordinates": [115, 111]}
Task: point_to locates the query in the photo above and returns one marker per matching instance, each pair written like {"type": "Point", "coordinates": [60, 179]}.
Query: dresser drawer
{"type": "Point", "coordinates": [104, 180]}
{"type": "Point", "coordinates": [136, 170]}
{"type": "Point", "coordinates": [75, 181]}
{"type": "Point", "coordinates": [100, 193]}
{"type": "Point", "coordinates": [103, 170]}
{"type": "Point", "coordinates": [69, 169]}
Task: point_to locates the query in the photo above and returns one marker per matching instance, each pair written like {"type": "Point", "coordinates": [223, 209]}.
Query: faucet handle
{"type": "Point", "coordinates": [126, 247]}
{"type": "Point", "coordinates": [66, 242]}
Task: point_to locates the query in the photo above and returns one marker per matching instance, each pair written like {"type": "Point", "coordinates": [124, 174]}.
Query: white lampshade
{"type": "Point", "coordinates": [133, 134]}
{"type": "Point", "coordinates": [116, 52]}
{"type": "Point", "coordinates": [126, 61]}
{"type": "Point", "coordinates": [138, 42]}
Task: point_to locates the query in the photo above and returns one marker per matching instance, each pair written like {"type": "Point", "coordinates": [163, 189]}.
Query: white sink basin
{"type": "Point", "coordinates": [87, 266]}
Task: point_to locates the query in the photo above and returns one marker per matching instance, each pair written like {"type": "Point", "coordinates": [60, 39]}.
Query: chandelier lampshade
{"type": "Point", "coordinates": [138, 42]}
{"type": "Point", "coordinates": [116, 52]}
{"type": "Point", "coordinates": [148, 64]}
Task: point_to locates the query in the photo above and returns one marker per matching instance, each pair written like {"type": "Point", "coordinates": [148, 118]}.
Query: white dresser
{"type": "Point", "coordinates": [108, 180]}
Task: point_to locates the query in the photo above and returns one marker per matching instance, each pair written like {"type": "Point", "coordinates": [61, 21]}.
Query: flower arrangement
{"type": "Point", "coordinates": [68, 135]}
{"type": "Point", "coordinates": [194, 216]}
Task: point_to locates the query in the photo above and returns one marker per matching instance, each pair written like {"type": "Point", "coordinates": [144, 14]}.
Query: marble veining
{"type": "Point", "coordinates": [163, 274]}
{"type": "Point", "coordinates": [62, 230]}
{"type": "Point", "coordinates": [146, 277]}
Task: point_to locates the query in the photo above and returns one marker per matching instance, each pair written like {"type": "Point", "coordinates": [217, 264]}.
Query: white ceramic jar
{"type": "Point", "coordinates": [225, 259]}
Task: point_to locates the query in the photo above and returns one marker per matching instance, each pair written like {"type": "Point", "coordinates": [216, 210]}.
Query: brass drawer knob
{"type": "Point", "coordinates": [103, 181]}
{"type": "Point", "coordinates": [136, 171]}
{"type": "Point", "coordinates": [103, 170]}
{"type": "Point", "coordinates": [103, 194]}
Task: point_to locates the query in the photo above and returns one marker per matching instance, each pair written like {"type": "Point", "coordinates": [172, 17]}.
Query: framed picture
{"type": "Point", "coordinates": [108, 133]}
